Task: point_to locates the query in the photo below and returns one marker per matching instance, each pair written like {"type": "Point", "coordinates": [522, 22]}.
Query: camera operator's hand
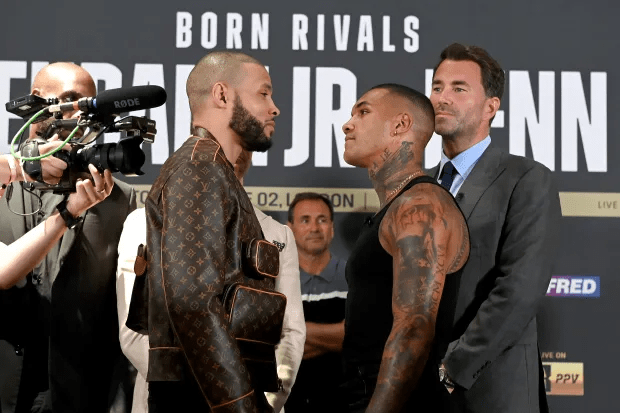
{"type": "Point", "coordinates": [52, 168]}
{"type": "Point", "coordinates": [89, 193]}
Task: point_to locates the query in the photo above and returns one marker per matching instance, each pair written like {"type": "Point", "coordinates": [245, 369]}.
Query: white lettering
{"type": "Point", "coordinates": [341, 31]}
{"type": "Point", "coordinates": [234, 25]}
{"type": "Point", "coordinates": [260, 31]}
{"type": "Point", "coordinates": [364, 36]}
{"type": "Point", "coordinates": [153, 74]}
{"type": "Point", "coordinates": [329, 121]}
{"type": "Point", "coordinates": [551, 285]}
{"type": "Point", "coordinates": [182, 116]}
{"type": "Point", "coordinates": [112, 78]}
{"type": "Point", "coordinates": [575, 118]}
{"type": "Point", "coordinates": [432, 153]}
{"type": "Point", "coordinates": [184, 29]}
{"type": "Point", "coordinates": [575, 285]}
{"type": "Point", "coordinates": [541, 127]}
{"type": "Point", "coordinates": [9, 70]}
{"type": "Point", "coordinates": [208, 32]}
{"type": "Point", "coordinates": [35, 67]}
{"type": "Point", "coordinates": [387, 46]}
{"type": "Point", "coordinates": [411, 43]}
{"type": "Point", "coordinates": [320, 32]}
{"type": "Point", "coordinates": [260, 158]}
{"type": "Point", "coordinates": [299, 151]}
{"type": "Point", "coordinates": [589, 287]}
{"type": "Point", "coordinates": [300, 32]}
{"type": "Point", "coordinates": [563, 286]}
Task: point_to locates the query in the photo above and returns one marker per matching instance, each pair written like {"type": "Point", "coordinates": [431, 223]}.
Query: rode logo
{"type": "Point", "coordinates": [574, 286]}
{"type": "Point", "coordinates": [126, 103]}
{"type": "Point", "coordinates": [564, 379]}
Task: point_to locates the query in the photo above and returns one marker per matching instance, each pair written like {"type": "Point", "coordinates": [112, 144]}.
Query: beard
{"type": "Point", "coordinates": [250, 129]}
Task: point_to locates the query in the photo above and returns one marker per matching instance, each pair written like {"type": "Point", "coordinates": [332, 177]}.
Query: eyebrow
{"type": "Point", "coordinates": [70, 93]}
{"type": "Point", "coordinates": [455, 82]}
{"type": "Point", "coordinates": [359, 105]}
{"type": "Point", "coordinates": [267, 86]}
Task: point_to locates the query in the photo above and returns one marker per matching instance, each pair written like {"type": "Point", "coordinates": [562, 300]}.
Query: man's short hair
{"type": "Point", "coordinates": [493, 77]}
{"type": "Point", "coordinates": [421, 103]}
{"type": "Point", "coordinates": [219, 65]}
{"type": "Point", "coordinates": [306, 196]}
{"type": "Point", "coordinates": [416, 98]}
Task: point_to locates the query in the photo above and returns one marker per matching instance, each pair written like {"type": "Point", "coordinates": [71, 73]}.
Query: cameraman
{"type": "Point", "coordinates": [60, 346]}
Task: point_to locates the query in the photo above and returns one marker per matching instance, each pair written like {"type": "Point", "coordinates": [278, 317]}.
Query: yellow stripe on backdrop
{"type": "Point", "coordinates": [277, 198]}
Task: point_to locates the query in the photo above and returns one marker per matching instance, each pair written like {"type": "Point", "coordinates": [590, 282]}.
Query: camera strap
{"type": "Point", "coordinates": [30, 149]}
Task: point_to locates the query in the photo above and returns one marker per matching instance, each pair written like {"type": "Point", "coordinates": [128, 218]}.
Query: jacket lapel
{"type": "Point", "coordinates": [487, 170]}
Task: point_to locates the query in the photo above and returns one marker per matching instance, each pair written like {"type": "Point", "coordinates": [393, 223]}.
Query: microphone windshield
{"type": "Point", "coordinates": [115, 101]}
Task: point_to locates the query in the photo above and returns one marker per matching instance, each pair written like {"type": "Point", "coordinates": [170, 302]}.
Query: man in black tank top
{"type": "Point", "coordinates": [403, 271]}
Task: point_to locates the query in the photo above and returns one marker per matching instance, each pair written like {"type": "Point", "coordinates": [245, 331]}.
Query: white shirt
{"type": "Point", "coordinates": [289, 352]}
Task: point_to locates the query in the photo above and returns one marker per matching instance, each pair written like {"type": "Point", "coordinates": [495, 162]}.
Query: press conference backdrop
{"type": "Point", "coordinates": [561, 64]}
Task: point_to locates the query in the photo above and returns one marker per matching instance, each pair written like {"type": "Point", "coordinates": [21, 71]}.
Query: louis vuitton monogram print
{"type": "Point", "coordinates": [198, 217]}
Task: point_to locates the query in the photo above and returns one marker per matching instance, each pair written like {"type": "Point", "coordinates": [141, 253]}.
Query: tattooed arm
{"type": "Point", "coordinates": [426, 236]}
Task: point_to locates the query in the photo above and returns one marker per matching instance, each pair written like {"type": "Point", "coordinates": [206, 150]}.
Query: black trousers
{"type": "Point", "coordinates": [429, 396]}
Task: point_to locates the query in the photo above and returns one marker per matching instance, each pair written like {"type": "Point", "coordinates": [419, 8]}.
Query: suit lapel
{"type": "Point", "coordinates": [487, 170]}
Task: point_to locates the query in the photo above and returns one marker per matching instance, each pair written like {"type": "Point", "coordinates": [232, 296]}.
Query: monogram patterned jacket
{"type": "Point", "coordinates": [198, 215]}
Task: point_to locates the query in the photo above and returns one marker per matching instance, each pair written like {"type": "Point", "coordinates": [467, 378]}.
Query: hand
{"type": "Point", "coordinates": [52, 167]}
{"type": "Point", "coordinates": [89, 193]}
{"type": "Point", "coordinates": [445, 379]}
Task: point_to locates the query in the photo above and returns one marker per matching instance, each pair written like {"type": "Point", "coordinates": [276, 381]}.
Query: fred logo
{"type": "Point", "coordinates": [564, 379]}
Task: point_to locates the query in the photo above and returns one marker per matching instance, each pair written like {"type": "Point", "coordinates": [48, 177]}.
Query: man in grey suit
{"type": "Point", "coordinates": [513, 210]}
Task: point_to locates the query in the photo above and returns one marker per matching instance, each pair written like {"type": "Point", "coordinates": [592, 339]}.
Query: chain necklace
{"type": "Point", "coordinates": [400, 186]}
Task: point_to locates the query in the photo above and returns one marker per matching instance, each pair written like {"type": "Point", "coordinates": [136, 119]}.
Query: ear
{"type": "Point", "coordinates": [36, 91]}
{"type": "Point", "coordinates": [403, 123]}
{"type": "Point", "coordinates": [491, 107]}
{"type": "Point", "coordinates": [220, 94]}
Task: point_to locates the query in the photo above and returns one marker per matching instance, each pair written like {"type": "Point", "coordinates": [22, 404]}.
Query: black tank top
{"type": "Point", "coordinates": [369, 305]}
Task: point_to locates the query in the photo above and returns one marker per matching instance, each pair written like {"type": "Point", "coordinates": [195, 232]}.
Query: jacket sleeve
{"type": "Point", "coordinates": [523, 266]}
{"type": "Point", "coordinates": [291, 348]}
{"type": "Point", "coordinates": [195, 253]}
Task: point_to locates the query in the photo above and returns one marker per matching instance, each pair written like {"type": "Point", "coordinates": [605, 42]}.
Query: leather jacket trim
{"type": "Point", "coordinates": [233, 401]}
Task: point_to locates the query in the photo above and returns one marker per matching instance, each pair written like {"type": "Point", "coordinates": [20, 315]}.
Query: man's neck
{"type": "Point", "coordinates": [314, 264]}
{"type": "Point", "coordinates": [224, 136]}
{"type": "Point", "coordinates": [392, 172]}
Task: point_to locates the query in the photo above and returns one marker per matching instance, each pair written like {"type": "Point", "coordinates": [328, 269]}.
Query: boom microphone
{"type": "Point", "coordinates": [115, 101]}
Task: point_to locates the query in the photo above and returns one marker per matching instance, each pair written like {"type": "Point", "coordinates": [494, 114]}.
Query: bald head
{"type": "Point", "coordinates": [402, 98]}
{"type": "Point", "coordinates": [221, 66]}
{"type": "Point", "coordinates": [63, 80]}
{"type": "Point", "coordinates": [62, 77]}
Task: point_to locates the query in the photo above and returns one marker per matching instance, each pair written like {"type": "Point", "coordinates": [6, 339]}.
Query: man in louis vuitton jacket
{"type": "Point", "coordinates": [198, 216]}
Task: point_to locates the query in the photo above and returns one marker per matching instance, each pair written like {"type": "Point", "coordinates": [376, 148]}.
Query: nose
{"type": "Point", "coordinates": [314, 226]}
{"type": "Point", "coordinates": [443, 98]}
{"type": "Point", "coordinates": [274, 111]}
{"type": "Point", "coordinates": [347, 127]}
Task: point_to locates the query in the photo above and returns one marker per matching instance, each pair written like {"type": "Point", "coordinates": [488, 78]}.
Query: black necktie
{"type": "Point", "coordinates": [447, 175]}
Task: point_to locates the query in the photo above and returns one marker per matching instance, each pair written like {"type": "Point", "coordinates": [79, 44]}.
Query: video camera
{"type": "Point", "coordinates": [98, 116]}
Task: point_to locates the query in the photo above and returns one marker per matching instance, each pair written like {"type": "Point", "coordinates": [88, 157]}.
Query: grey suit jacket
{"type": "Point", "coordinates": [513, 211]}
{"type": "Point", "coordinates": [76, 299]}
